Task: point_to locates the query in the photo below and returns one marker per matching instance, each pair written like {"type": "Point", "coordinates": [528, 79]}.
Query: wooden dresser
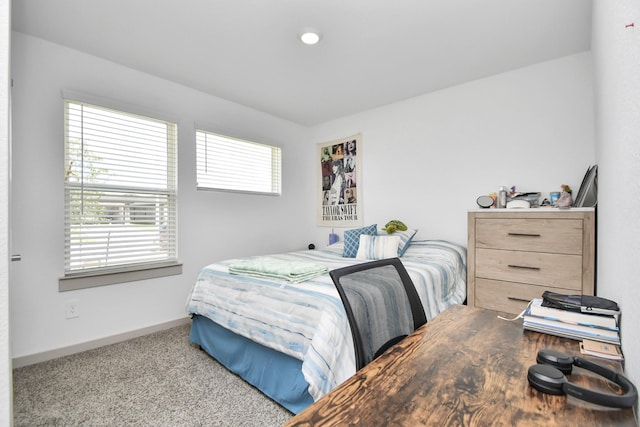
{"type": "Point", "coordinates": [514, 255]}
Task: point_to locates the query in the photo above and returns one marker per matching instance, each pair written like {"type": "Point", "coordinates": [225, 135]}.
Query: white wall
{"type": "Point", "coordinates": [616, 55]}
{"type": "Point", "coordinates": [427, 159]}
{"type": "Point", "coordinates": [5, 352]}
{"type": "Point", "coordinates": [212, 225]}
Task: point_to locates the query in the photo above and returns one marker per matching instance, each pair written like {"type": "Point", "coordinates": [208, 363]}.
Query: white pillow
{"type": "Point", "coordinates": [378, 247]}
{"type": "Point", "coordinates": [405, 239]}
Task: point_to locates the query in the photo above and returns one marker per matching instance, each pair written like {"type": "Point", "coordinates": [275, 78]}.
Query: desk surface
{"type": "Point", "coordinates": [465, 367]}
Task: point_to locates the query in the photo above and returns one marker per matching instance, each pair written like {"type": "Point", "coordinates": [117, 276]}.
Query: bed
{"type": "Point", "coordinates": [291, 339]}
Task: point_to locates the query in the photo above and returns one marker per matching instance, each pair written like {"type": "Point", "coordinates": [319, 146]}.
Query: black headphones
{"type": "Point", "coordinates": [548, 376]}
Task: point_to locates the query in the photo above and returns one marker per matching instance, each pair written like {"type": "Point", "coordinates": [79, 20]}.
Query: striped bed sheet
{"type": "Point", "coordinates": [307, 320]}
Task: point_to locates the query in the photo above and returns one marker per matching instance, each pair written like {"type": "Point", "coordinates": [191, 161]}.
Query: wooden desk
{"type": "Point", "coordinates": [465, 367]}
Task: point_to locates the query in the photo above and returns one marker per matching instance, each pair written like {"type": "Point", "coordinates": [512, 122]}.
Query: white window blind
{"type": "Point", "coordinates": [120, 190]}
{"type": "Point", "coordinates": [226, 163]}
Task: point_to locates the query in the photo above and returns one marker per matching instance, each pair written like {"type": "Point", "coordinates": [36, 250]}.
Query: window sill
{"type": "Point", "coordinates": [103, 278]}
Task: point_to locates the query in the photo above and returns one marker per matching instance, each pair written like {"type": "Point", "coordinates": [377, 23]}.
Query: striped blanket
{"type": "Point", "coordinates": [307, 320]}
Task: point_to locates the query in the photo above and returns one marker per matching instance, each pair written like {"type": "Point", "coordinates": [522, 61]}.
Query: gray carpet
{"type": "Point", "coordinates": [155, 380]}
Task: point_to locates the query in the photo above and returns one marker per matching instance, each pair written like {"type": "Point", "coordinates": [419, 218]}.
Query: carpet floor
{"type": "Point", "coordinates": [155, 380]}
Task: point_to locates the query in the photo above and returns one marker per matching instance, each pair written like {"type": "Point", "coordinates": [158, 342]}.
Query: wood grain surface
{"type": "Point", "coordinates": [465, 367]}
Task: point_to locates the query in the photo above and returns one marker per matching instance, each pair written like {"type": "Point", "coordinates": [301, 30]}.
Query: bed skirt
{"type": "Point", "coordinates": [277, 375]}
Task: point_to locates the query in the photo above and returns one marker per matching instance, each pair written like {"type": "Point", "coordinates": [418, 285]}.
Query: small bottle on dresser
{"type": "Point", "coordinates": [502, 198]}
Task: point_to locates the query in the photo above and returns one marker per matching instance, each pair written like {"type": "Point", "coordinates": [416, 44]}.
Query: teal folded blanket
{"type": "Point", "coordinates": [273, 268]}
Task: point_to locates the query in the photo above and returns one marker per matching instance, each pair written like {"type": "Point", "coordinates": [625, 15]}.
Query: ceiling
{"type": "Point", "coordinates": [372, 52]}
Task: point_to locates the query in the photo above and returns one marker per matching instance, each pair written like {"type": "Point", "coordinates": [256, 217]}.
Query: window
{"type": "Point", "coordinates": [120, 191]}
{"type": "Point", "coordinates": [226, 163]}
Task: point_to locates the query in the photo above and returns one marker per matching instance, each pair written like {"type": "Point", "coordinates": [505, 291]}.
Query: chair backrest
{"type": "Point", "coordinates": [382, 305]}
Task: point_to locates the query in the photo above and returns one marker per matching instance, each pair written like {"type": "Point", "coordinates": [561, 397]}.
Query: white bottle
{"type": "Point", "coordinates": [502, 198]}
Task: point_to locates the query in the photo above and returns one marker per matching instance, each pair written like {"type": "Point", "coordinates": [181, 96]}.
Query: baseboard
{"type": "Point", "coordinates": [19, 362]}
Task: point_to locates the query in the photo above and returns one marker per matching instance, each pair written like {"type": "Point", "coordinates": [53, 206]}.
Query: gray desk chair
{"type": "Point", "coordinates": [382, 305]}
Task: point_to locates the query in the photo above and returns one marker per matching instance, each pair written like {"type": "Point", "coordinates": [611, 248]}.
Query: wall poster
{"type": "Point", "coordinates": [340, 182]}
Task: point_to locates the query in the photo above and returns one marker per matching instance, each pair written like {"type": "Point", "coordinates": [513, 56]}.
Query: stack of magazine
{"type": "Point", "coordinates": [571, 324]}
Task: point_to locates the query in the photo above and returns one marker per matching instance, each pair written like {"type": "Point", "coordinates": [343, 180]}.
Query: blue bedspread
{"type": "Point", "coordinates": [307, 320]}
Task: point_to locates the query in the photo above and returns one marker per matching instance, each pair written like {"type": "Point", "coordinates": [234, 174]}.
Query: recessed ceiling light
{"type": "Point", "coordinates": [309, 37]}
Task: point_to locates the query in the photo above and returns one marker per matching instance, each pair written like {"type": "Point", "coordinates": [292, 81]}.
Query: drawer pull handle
{"type": "Point", "coordinates": [517, 299]}
{"type": "Point", "coordinates": [524, 234]}
{"type": "Point", "coordinates": [524, 267]}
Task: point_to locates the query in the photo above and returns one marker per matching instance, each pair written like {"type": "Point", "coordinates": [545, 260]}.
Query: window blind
{"type": "Point", "coordinates": [120, 190]}
{"type": "Point", "coordinates": [226, 163]}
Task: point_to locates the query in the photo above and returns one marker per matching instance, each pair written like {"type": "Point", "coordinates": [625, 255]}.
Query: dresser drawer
{"type": "Point", "coordinates": [508, 296]}
{"type": "Point", "coordinates": [562, 236]}
{"type": "Point", "coordinates": [544, 269]}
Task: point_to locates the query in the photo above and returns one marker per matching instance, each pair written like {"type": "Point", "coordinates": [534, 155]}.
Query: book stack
{"type": "Point", "coordinates": [571, 324]}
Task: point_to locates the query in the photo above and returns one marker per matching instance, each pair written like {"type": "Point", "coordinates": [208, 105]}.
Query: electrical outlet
{"type": "Point", "coordinates": [72, 308]}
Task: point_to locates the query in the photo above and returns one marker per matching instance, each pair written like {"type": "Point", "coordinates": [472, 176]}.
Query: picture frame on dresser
{"type": "Point", "coordinates": [588, 192]}
{"type": "Point", "coordinates": [515, 255]}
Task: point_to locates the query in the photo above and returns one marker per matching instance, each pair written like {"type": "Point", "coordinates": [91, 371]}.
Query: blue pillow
{"type": "Point", "coordinates": [352, 239]}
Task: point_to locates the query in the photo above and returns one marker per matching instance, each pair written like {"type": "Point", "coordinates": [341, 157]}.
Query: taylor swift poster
{"type": "Point", "coordinates": [340, 182]}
